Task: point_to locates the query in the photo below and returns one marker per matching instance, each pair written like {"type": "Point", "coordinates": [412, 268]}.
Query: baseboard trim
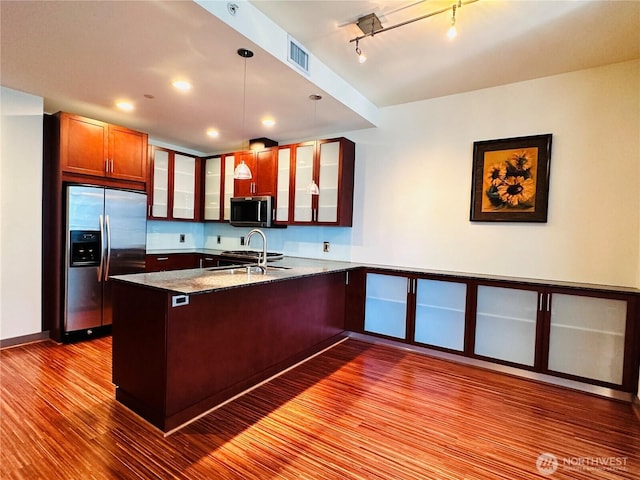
{"type": "Point", "coordinates": [24, 340]}
{"type": "Point", "coordinates": [516, 372]}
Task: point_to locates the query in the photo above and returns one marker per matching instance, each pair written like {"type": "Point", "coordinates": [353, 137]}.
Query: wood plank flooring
{"type": "Point", "coordinates": [358, 411]}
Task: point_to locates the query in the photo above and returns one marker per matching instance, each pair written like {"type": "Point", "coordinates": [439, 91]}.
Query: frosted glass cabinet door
{"type": "Point", "coordinates": [282, 198]}
{"type": "Point", "coordinates": [587, 337]}
{"type": "Point", "coordinates": [328, 182]}
{"type": "Point", "coordinates": [184, 186]}
{"type": "Point", "coordinates": [212, 183]}
{"type": "Point", "coordinates": [440, 313]}
{"type": "Point", "coordinates": [506, 324]}
{"type": "Point", "coordinates": [386, 305]}
{"type": "Point", "coordinates": [159, 208]}
{"type": "Point", "coordinates": [302, 211]}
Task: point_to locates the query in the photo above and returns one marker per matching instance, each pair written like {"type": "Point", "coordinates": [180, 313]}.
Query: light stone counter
{"type": "Point", "coordinates": [205, 280]}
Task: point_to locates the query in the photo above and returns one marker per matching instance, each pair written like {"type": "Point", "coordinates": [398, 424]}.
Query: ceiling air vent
{"type": "Point", "coordinates": [298, 55]}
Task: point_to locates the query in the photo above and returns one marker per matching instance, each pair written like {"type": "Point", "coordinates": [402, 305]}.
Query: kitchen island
{"type": "Point", "coordinates": [186, 341]}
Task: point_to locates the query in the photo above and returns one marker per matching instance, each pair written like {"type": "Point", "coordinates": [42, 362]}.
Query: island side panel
{"type": "Point", "coordinates": [139, 349]}
{"type": "Point", "coordinates": [224, 342]}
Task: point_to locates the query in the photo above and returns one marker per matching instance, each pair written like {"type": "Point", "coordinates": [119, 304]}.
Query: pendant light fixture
{"type": "Point", "coordinates": [312, 188]}
{"type": "Point", "coordinates": [242, 171]}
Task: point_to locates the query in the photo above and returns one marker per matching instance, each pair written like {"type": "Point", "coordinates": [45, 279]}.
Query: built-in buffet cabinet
{"type": "Point", "coordinates": [580, 332]}
{"type": "Point", "coordinates": [174, 188]}
{"type": "Point", "coordinates": [92, 148]}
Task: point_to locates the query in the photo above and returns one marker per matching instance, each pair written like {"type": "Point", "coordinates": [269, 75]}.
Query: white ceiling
{"type": "Point", "coordinates": [83, 56]}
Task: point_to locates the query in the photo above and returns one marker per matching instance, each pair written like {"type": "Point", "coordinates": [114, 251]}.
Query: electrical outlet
{"type": "Point", "coordinates": [325, 247]}
{"type": "Point", "coordinates": [219, 240]}
{"type": "Point", "coordinates": [241, 240]}
{"type": "Point", "coordinates": [182, 238]}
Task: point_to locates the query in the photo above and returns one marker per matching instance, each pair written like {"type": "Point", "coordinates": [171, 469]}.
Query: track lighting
{"type": "Point", "coordinates": [370, 25]}
{"type": "Point", "coordinates": [452, 33]}
{"type": "Point", "coordinates": [361, 56]}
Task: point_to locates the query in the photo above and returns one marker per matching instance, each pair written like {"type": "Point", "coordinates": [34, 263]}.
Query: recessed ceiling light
{"type": "Point", "coordinates": [213, 133]}
{"type": "Point", "coordinates": [268, 122]}
{"type": "Point", "coordinates": [182, 85]}
{"type": "Point", "coordinates": [126, 106]}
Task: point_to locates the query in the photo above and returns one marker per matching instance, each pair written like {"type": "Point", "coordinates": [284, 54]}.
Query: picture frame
{"type": "Point", "coordinates": [510, 179]}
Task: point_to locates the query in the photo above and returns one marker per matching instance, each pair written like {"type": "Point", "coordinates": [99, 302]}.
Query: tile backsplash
{"type": "Point", "coordinates": [292, 241]}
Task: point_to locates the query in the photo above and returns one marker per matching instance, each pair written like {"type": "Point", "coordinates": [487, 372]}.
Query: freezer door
{"type": "Point", "coordinates": [84, 299]}
{"type": "Point", "coordinates": [83, 292]}
{"type": "Point", "coordinates": [126, 231]}
{"type": "Point", "coordinates": [84, 207]}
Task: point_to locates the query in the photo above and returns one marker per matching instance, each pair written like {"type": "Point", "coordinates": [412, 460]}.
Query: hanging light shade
{"type": "Point", "coordinates": [312, 188]}
{"type": "Point", "coordinates": [242, 170]}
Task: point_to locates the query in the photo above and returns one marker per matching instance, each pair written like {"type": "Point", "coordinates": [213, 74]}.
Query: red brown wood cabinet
{"type": "Point", "coordinates": [174, 188]}
{"type": "Point", "coordinates": [98, 149]}
{"type": "Point", "coordinates": [263, 166]}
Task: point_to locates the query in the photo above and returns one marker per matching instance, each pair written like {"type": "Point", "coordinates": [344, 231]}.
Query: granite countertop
{"type": "Point", "coordinates": [206, 280]}
{"type": "Point", "coordinates": [171, 251]}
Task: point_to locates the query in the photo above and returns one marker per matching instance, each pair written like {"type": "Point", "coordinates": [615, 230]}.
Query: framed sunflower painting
{"type": "Point", "coordinates": [511, 179]}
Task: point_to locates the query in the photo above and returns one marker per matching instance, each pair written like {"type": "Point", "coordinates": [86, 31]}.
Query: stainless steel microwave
{"type": "Point", "coordinates": [251, 211]}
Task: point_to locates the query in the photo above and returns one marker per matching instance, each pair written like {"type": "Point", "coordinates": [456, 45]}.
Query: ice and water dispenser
{"type": "Point", "coordinates": [85, 248]}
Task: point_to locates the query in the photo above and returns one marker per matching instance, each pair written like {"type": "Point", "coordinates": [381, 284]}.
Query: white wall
{"type": "Point", "coordinates": [421, 218]}
{"type": "Point", "coordinates": [20, 213]}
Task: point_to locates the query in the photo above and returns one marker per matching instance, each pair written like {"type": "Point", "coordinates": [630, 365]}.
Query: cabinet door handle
{"type": "Point", "coordinates": [162, 258]}
{"type": "Point", "coordinates": [106, 165]}
{"type": "Point", "coordinates": [548, 302]}
{"type": "Point", "coordinates": [540, 302]}
{"type": "Point", "coordinates": [112, 165]}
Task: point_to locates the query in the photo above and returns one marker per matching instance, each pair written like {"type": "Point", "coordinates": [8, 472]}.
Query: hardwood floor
{"type": "Point", "coordinates": [358, 411]}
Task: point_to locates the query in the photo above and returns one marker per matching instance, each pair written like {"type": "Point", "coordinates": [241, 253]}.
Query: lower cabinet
{"type": "Point", "coordinates": [587, 337]}
{"type": "Point", "coordinates": [386, 305]}
{"type": "Point", "coordinates": [579, 333]}
{"type": "Point", "coordinates": [440, 313]}
{"type": "Point", "coordinates": [506, 320]}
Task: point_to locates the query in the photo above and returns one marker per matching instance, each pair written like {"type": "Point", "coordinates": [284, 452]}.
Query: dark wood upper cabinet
{"type": "Point", "coordinates": [263, 166]}
{"type": "Point", "coordinates": [330, 165]}
{"type": "Point", "coordinates": [98, 149]}
{"type": "Point", "coordinates": [175, 187]}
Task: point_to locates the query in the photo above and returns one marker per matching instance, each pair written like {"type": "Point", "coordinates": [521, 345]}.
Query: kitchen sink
{"type": "Point", "coordinates": [245, 268]}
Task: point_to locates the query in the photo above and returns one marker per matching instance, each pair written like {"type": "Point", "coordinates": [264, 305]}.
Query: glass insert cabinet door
{"type": "Point", "coordinates": [282, 196]}
{"type": "Point", "coordinates": [212, 183]}
{"type": "Point", "coordinates": [586, 337]}
{"type": "Point", "coordinates": [184, 186]}
{"type": "Point", "coordinates": [328, 182]}
{"type": "Point", "coordinates": [159, 208]}
{"type": "Point", "coordinates": [302, 204]}
{"type": "Point", "coordinates": [440, 313]}
{"type": "Point", "coordinates": [386, 305]}
{"type": "Point", "coordinates": [506, 324]}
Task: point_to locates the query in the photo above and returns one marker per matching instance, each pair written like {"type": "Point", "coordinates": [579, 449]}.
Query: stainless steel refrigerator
{"type": "Point", "coordinates": [106, 232]}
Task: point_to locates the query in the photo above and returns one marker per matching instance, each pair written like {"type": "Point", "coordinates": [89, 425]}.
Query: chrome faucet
{"type": "Point", "coordinates": [262, 261]}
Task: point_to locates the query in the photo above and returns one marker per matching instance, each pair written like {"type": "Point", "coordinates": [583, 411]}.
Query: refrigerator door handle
{"type": "Point", "coordinates": [108, 262]}
{"type": "Point", "coordinates": [101, 266]}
